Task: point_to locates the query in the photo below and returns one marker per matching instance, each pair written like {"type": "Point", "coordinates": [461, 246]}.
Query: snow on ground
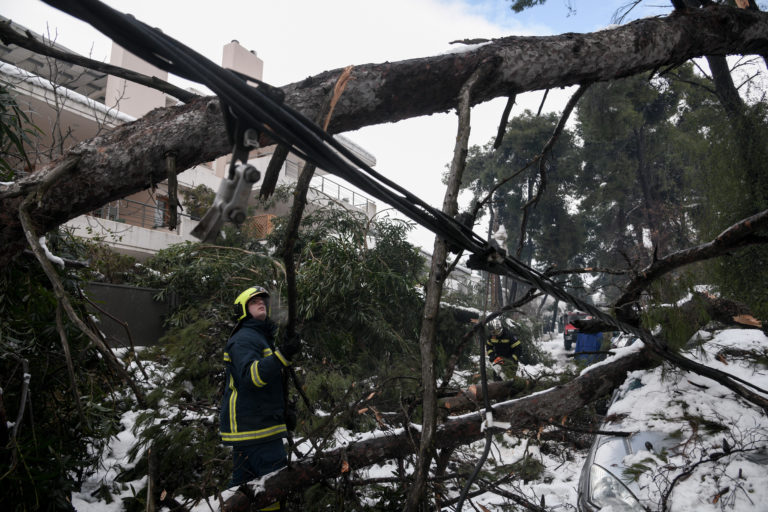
{"type": "Point", "coordinates": [114, 459]}
{"type": "Point", "coordinates": [700, 412]}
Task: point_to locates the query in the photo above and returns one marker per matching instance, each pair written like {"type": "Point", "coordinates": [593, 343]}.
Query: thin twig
{"type": "Point", "coordinates": [504, 120]}
{"type": "Point", "coordinates": [10, 36]}
{"type": "Point", "coordinates": [70, 365]}
{"type": "Point", "coordinates": [26, 376]}
{"type": "Point", "coordinates": [616, 433]}
{"type": "Point", "coordinates": [541, 105]}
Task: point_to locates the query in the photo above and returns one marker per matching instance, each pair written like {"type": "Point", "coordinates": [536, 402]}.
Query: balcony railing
{"type": "Point", "coordinates": [332, 189]}
{"type": "Point", "coordinates": [136, 213]}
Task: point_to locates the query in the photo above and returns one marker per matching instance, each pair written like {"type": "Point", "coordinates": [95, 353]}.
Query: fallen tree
{"type": "Point", "coordinates": [133, 156]}
{"type": "Point", "coordinates": [530, 412]}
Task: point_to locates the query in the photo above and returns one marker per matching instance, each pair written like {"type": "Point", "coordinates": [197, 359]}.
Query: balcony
{"type": "Point", "coordinates": [135, 213]}
{"type": "Point", "coordinates": [133, 228]}
{"type": "Point", "coordinates": [333, 190]}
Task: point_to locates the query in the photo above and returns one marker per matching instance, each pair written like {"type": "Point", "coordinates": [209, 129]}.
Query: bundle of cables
{"type": "Point", "coordinates": [261, 109]}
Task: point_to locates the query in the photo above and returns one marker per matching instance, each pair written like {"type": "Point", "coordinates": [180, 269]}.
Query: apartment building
{"type": "Point", "coordinates": [70, 103]}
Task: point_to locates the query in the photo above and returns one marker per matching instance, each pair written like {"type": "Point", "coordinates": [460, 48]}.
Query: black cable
{"type": "Point", "coordinates": [255, 109]}
{"type": "Point", "coordinates": [482, 336]}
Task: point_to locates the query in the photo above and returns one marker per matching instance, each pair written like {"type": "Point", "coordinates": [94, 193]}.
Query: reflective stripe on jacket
{"type": "Point", "coordinates": [505, 346]}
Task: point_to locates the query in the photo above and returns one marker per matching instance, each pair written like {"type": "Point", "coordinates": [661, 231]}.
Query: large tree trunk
{"type": "Point", "coordinates": [530, 412]}
{"type": "Point", "coordinates": [131, 158]}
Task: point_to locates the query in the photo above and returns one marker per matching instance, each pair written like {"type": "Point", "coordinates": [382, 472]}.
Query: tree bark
{"type": "Point", "coordinates": [472, 397]}
{"type": "Point", "coordinates": [130, 158]}
{"type": "Point", "coordinates": [529, 412]}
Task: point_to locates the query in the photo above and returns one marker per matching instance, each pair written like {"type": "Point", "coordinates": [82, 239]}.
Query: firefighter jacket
{"type": "Point", "coordinates": [506, 346]}
{"type": "Point", "coordinates": [252, 409]}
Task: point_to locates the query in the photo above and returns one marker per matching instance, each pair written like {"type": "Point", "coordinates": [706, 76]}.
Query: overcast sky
{"type": "Point", "coordinates": [301, 38]}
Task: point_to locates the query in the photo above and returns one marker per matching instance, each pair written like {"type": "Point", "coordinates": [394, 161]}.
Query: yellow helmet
{"type": "Point", "coordinates": [241, 302]}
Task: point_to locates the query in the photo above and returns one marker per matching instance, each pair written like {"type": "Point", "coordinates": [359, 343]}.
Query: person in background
{"type": "Point", "coordinates": [503, 349]}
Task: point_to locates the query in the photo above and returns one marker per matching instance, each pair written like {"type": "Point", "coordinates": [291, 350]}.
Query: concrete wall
{"type": "Point", "coordinates": [141, 243]}
{"type": "Point", "coordinates": [135, 307]}
{"type": "Point", "coordinates": [129, 97]}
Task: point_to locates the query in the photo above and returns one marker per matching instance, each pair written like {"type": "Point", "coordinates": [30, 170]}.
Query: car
{"type": "Point", "coordinates": [603, 484]}
{"type": "Point", "coordinates": [621, 340]}
{"type": "Point", "coordinates": [673, 435]}
{"type": "Point", "coordinates": [569, 330]}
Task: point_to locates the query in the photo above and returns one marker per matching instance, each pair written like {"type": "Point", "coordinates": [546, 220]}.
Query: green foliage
{"type": "Point", "coordinates": [527, 469]}
{"type": "Point", "coordinates": [198, 200]}
{"type": "Point", "coordinates": [678, 324]}
{"type": "Point", "coordinates": [104, 263]}
{"type": "Point", "coordinates": [359, 313]}
{"type": "Point", "coordinates": [641, 158]}
{"type": "Point", "coordinates": [186, 455]}
{"type": "Point", "coordinates": [521, 5]}
{"type": "Point", "coordinates": [708, 425]}
{"type": "Point", "coordinates": [197, 356]}
{"type": "Point", "coordinates": [634, 471]}
{"type": "Point", "coordinates": [555, 235]}
{"type": "Point", "coordinates": [57, 443]}
{"type": "Point", "coordinates": [204, 280]}
{"type": "Point", "coordinates": [356, 288]}
{"type": "Point", "coordinates": [735, 187]}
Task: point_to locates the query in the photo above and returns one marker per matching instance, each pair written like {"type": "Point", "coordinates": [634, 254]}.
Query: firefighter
{"type": "Point", "coordinates": [503, 349]}
{"type": "Point", "coordinates": [252, 417]}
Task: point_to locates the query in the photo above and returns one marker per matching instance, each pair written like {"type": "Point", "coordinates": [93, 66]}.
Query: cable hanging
{"type": "Point", "coordinates": [262, 108]}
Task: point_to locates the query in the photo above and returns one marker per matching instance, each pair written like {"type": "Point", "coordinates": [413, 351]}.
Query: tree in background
{"type": "Point", "coordinates": [553, 233]}
{"type": "Point", "coordinates": [734, 188]}
{"type": "Point", "coordinates": [639, 164]}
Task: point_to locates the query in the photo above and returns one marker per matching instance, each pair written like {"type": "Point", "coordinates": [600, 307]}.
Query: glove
{"type": "Point", "coordinates": [498, 372]}
{"type": "Point", "coordinates": [291, 347]}
{"type": "Point", "coordinates": [498, 360]}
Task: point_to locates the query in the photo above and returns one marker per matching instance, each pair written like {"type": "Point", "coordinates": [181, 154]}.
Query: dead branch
{"type": "Point", "coordinates": [434, 290]}
{"type": "Point", "coordinates": [504, 120]}
{"type": "Point", "coordinates": [63, 299]}
{"type": "Point", "coordinates": [472, 397]}
{"type": "Point", "coordinates": [9, 36]}
{"type": "Point", "coordinates": [70, 366]}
